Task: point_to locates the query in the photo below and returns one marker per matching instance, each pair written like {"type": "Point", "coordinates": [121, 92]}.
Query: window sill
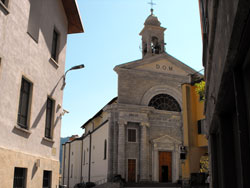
{"type": "Point", "coordinates": [22, 129]}
{"type": "Point", "coordinates": [54, 62]}
{"type": "Point", "coordinates": [4, 8]}
{"type": "Point", "coordinates": [129, 142]}
{"type": "Point", "coordinates": [49, 140]}
{"type": "Point", "coordinates": [33, 38]}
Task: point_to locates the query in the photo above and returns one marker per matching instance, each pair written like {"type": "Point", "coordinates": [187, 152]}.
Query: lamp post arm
{"type": "Point", "coordinates": [72, 68]}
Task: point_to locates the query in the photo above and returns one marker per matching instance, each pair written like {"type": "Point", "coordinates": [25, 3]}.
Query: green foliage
{"type": "Point", "coordinates": [204, 164]}
{"type": "Point", "coordinates": [200, 89]}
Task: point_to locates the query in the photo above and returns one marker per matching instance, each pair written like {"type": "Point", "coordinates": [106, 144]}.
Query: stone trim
{"type": "Point", "coordinates": [49, 140]}
{"type": "Point", "coordinates": [27, 131]}
{"type": "Point", "coordinates": [161, 89]}
{"type": "Point", "coordinates": [4, 8]}
{"type": "Point", "coordinates": [53, 62]}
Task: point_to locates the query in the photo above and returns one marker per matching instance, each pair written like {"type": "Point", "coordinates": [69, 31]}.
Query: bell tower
{"type": "Point", "coordinates": [152, 36]}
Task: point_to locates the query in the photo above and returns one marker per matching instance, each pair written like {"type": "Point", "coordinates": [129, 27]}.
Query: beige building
{"type": "Point", "coordinates": [138, 134]}
{"type": "Point", "coordinates": [33, 36]}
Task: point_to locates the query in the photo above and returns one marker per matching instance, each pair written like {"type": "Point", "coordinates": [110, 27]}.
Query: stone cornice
{"type": "Point", "coordinates": [156, 75]}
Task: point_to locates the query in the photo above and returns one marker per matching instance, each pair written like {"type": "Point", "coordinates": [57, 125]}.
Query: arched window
{"type": "Point", "coordinates": [164, 102]}
{"type": "Point", "coordinates": [105, 149]}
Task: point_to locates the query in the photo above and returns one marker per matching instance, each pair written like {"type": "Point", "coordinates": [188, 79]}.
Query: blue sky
{"type": "Point", "coordinates": [111, 37]}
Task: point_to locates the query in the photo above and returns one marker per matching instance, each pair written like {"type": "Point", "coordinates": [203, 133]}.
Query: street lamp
{"type": "Point", "coordinates": [72, 68]}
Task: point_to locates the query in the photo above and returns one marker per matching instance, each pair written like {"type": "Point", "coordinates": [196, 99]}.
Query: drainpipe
{"type": "Point", "coordinates": [90, 140]}
{"type": "Point", "coordinates": [139, 161]}
{"type": "Point", "coordinates": [81, 161]}
{"type": "Point", "coordinates": [64, 153]}
{"type": "Point", "coordinates": [68, 165]}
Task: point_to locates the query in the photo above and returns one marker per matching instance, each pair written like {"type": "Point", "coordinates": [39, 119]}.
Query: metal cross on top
{"type": "Point", "coordinates": [152, 4]}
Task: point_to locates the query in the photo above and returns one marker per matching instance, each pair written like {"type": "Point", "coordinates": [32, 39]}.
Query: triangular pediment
{"type": "Point", "coordinates": [166, 139]}
{"type": "Point", "coordinates": [163, 63]}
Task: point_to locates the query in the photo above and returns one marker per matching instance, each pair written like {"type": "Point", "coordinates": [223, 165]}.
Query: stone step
{"type": "Point", "coordinates": [152, 185]}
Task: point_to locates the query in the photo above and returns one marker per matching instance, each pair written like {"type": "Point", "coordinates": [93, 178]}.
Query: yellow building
{"type": "Point", "coordinates": [194, 139]}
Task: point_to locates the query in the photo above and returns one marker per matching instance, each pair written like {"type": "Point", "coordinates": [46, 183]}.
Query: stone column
{"type": "Point", "coordinates": [144, 153]}
{"type": "Point", "coordinates": [155, 163]}
{"type": "Point", "coordinates": [121, 149]}
{"type": "Point", "coordinates": [110, 148]}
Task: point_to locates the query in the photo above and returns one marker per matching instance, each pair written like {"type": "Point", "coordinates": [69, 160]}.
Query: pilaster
{"type": "Point", "coordinates": [144, 152]}
{"type": "Point", "coordinates": [121, 148]}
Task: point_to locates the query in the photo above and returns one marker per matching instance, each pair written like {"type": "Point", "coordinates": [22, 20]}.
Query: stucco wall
{"type": "Point", "coordinates": [99, 165]}
{"type": "Point", "coordinates": [79, 151]}
{"type": "Point", "coordinates": [10, 159]}
{"type": "Point", "coordinates": [22, 56]}
{"type": "Point", "coordinates": [75, 163]}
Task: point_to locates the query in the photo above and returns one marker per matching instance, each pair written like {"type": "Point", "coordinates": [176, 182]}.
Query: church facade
{"type": "Point", "coordinates": [139, 133]}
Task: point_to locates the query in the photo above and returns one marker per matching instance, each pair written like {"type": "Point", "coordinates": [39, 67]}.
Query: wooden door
{"type": "Point", "coordinates": [131, 170]}
{"type": "Point", "coordinates": [165, 163]}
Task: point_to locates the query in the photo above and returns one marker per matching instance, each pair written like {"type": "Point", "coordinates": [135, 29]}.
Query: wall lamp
{"type": "Point", "coordinates": [72, 68]}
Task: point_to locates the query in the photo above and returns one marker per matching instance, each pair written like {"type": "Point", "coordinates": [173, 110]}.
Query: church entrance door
{"type": "Point", "coordinates": [165, 166]}
{"type": "Point", "coordinates": [131, 170]}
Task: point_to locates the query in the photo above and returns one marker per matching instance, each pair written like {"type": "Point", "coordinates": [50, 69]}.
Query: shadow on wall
{"type": "Point", "coordinates": [34, 170]}
{"type": "Point", "coordinates": [38, 22]}
{"type": "Point", "coordinates": [43, 109]}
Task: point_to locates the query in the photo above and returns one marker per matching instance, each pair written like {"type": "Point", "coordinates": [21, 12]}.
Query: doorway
{"type": "Point", "coordinates": [165, 166]}
{"type": "Point", "coordinates": [164, 173]}
{"type": "Point", "coordinates": [131, 170]}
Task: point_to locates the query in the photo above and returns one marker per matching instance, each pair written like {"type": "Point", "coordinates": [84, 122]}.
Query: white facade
{"type": "Point", "coordinates": [25, 53]}
{"type": "Point", "coordinates": [84, 158]}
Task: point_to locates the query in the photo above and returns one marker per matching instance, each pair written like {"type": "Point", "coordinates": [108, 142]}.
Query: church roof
{"type": "Point", "coordinates": [152, 20]}
{"type": "Point", "coordinates": [99, 112]}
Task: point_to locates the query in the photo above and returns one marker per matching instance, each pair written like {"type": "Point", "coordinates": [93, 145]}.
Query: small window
{"type": "Point", "coordinates": [84, 157]}
{"type": "Point", "coordinates": [20, 178]}
{"type": "Point", "coordinates": [46, 179]}
{"type": "Point", "coordinates": [49, 118]}
{"type": "Point", "coordinates": [131, 135]}
{"type": "Point", "coordinates": [105, 149]}
{"type": "Point", "coordinates": [71, 171]}
{"type": "Point", "coordinates": [24, 103]}
{"type": "Point", "coordinates": [54, 49]}
{"type": "Point", "coordinates": [201, 126]}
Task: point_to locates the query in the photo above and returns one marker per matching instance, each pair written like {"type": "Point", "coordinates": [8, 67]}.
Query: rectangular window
{"type": "Point", "coordinates": [54, 45]}
{"type": "Point", "coordinates": [131, 135]}
{"type": "Point", "coordinates": [47, 179]}
{"type": "Point", "coordinates": [201, 126]}
{"type": "Point", "coordinates": [105, 149]}
{"type": "Point", "coordinates": [20, 178]}
{"type": "Point", "coordinates": [23, 110]}
{"type": "Point", "coordinates": [49, 118]}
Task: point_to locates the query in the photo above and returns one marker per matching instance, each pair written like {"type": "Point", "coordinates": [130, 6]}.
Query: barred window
{"type": "Point", "coordinates": [20, 178]}
{"type": "Point", "coordinates": [49, 118]}
{"type": "Point", "coordinates": [23, 110]}
{"type": "Point", "coordinates": [46, 179]}
{"type": "Point", "coordinates": [131, 135]}
{"type": "Point", "coordinates": [54, 49]}
{"type": "Point", "coordinates": [164, 102]}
